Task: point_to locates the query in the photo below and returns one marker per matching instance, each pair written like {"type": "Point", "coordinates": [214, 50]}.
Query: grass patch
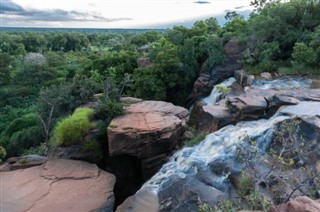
{"type": "Point", "coordinates": [196, 140]}
{"type": "Point", "coordinates": [72, 129]}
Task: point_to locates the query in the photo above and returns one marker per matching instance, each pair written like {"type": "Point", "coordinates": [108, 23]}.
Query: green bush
{"type": "Point", "coordinates": [3, 152]}
{"type": "Point", "coordinates": [222, 88]}
{"type": "Point", "coordinates": [196, 140]}
{"type": "Point", "coordinates": [23, 139]}
{"type": "Point", "coordinates": [19, 124]}
{"type": "Point", "coordinates": [107, 110]}
{"type": "Point", "coordinates": [72, 129]}
{"type": "Point", "coordinates": [245, 186]}
{"type": "Point", "coordinates": [92, 147]}
{"type": "Point", "coordinates": [256, 201]}
{"type": "Point", "coordinates": [38, 150]}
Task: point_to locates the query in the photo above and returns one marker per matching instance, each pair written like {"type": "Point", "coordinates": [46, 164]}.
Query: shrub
{"type": "Point", "coordinates": [38, 150]}
{"type": "Point", "coordinates": [24, 139]}
{"type": "Point", "coordinates": [92, 147]}
{"type": "Point", "coordinates": [196, 140]}
{"type": "Point", "coordinates": [108, 109]}
{"type": "Point", "coordinates": [245, 186]}
{"type": "Point", "coordinates": [3, 153]}
{"type": "Point", "coordinates": [256, 201]}
{"type": "Point", "coordinates": [19, 124]}
{"type": "Point", "coordinates": [224, 90]}
{"type": "Point", "coordinates": [72, 129]}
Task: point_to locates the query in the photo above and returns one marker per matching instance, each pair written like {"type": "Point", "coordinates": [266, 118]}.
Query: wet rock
{"type": "Point", "coordinates": [58, 185]}
{"type": "Point", "coordinates": [209, 172]}
{"type": "Point", "coordinates": [246, 107]}
{"type": "Point", "coordinates": [212, 118]}
{"type": "Point", "coordinates": [299, 204]}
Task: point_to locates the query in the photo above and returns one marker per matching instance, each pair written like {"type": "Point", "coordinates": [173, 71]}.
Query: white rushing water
{"type": "Point", "coordinates": [217, 146]}
{"type": "Point", "coordinates": [216, 93]}
{"type": "Point", "coordinates": [283, 83]}
{"type": "Point", "coordinates": [201, 165]}
{"type": "Point", "coordinates": [221, 147]}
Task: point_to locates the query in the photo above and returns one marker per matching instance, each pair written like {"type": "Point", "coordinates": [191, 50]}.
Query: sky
{"type": "Point", "coordinates": [114, 13]}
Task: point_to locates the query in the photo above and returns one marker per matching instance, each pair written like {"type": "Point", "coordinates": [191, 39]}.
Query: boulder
{"type": "Point", "coordinates": [247, 106]}
{"type": "Point", "coordinates": [58, 185]}
{"type": "Point", "coordinates": [299, 204]}
{"type": "Point", "coordinates": [212, 118]}
{"type": "Point", "coordinates": [146, 130]}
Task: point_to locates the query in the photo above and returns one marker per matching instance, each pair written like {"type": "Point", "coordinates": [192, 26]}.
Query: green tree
{"type": "Point", "coordinates": [303, 55]}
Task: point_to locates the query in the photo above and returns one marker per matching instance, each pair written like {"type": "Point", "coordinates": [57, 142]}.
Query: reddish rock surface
{"type": "Point", "coordinates": [299, 204]}
{"type": "Point", "coordinates": [57, 185]}
{"type": "Point", "coordinates": [148, 130]}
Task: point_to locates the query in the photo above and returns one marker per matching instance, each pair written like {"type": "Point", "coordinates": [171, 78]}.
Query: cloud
{"type": "Point", "coordinates": [11, 10]}
{"type": "Point", "coordinates": [9, 6]}
{"type": "Point", "coordinates": [202, 2]}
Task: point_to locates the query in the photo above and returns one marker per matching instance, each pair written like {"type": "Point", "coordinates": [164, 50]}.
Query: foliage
{"type": "Point", "coordinates": [223, 206]}
{"type": "Point", "coordinates": [3, 152]}
{"type": "Point", "coordinates": [92, 147]}
{"type": "Point", "coordinates": [223, 89]}
{"type": "Point", "coordinates": [196, 140]}
{"type": "Point", "coordinates": [58, 71]}
{"type": "Point", "coordinates": [22, 133]}
{"type": "Point", "coordinates": [246, 186]}
{"type": "Point", "coordinates": [303, 55]}
{"type": "Point", "coordinates": [107, 110]}
{"type": "Point", "coordinates": [72, 129]}
{"type": "Point", "coordinates": [38, 150]}
{"type": "Point", "coordinates": [256, 201]}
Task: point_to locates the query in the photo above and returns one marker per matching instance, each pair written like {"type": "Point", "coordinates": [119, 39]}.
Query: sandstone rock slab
{"type": "Point", "coordinates": [147, 129]}
{"type": "Point", "coordinates": [57, 185]}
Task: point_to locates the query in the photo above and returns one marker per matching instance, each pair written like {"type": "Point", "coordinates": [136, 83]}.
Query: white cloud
{"type": "Point", "coordinates": [142, 13]}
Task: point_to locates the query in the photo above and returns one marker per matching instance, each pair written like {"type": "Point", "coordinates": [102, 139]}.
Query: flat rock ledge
{"type": "Point", "coordinates": [57, 185]}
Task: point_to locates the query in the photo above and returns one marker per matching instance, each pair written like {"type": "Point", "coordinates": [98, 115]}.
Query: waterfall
{"type": "Point", "coordinates": [283, 83]}
{"type": "Point", "coordinates": [216, 92]}
{"type": "Point", "coordinates": [217, 146]}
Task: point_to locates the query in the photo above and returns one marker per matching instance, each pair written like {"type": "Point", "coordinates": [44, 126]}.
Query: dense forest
{"type": "Point", "coordinates": [46, 76]}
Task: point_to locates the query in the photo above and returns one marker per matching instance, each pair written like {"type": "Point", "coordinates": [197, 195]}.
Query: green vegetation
{"type": "Point", "coordinates": [223, 206]}
{"type": "Point", "coordinates": [196, 140]}
{"type": "Point", "coordinates": [246, 186]}
{"type": "Point", "coordinates": [223, 89]}
{"type": "Point", "coordinates": [50, 74]}
{"type": "Point", "coordinates": [3, 153]}
{"type": "Point", "coordinates": [72, 129]}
